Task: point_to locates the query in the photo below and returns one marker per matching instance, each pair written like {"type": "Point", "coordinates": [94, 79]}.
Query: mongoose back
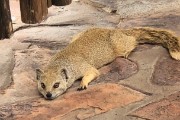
{"type": "Point", "coordinates": [91, 50]}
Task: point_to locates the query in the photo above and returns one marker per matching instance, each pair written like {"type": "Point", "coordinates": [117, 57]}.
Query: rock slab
{"type": "Point", "coordinates": [165, 109]}
{"type": "Point", "coordinates": [6, 65]}
{"type": "Point", "coordinates": [95, 100]}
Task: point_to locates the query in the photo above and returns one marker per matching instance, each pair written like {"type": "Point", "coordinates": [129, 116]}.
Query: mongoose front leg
{"type": "Point", "coordinates": [88, 77]}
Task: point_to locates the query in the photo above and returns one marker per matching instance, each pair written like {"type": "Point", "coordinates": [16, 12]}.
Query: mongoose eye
{"type": "Point", "coordinates": [43, 85]}
{"type": "Point", "coordinates": [56, 85]}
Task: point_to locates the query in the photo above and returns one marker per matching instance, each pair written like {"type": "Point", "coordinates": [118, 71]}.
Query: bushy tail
{"type": "Point", "coordinates": [165, 38]}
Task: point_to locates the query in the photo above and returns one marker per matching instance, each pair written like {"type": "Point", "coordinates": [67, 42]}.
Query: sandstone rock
{"type": "Point", "coordinates": [36, 45]}
{"type": "Point", "coordinates": [95, 100]}
{"type": "Point", "coordinates": [135, 8]}
{"type": "Point", "coordinates": [165, 109]}
{"type": "Point", "coordinates": [6, 64]}
{"type": "Point", "coordinates": [119, 69]}
{"type": "Point", "coordinates": [24, 76]}
{"type": "Point", "coordinates": [162, 20]}
{"type": "Point", "coordinates": [167, 72]}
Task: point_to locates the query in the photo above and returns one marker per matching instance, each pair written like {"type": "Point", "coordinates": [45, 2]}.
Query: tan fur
{"type": "Point", "coordinates": [94, 48]}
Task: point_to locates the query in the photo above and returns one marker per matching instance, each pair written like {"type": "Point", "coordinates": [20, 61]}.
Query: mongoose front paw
{"type": "Point", "coordinates": [82, 87]}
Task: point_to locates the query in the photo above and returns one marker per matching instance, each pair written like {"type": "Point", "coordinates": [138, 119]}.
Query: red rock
{"type": "Point", "coordinates": [95, 100]}
{"type": "Point", "coordinates": [119, 69]}
{"type": "Point", "coordinates": [166, 72]}
{"type": "Point", "coordinates": [165, 109]}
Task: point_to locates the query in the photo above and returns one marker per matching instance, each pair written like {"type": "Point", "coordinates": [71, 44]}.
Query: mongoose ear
{"type": "Point", "coordinates": [64, 74]}
{"type": "Point", "coordinates": [38, 74]}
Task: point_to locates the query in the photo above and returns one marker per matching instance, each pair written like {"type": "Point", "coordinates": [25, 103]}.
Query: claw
{"type": "Point", "coordinates": [82, 88]}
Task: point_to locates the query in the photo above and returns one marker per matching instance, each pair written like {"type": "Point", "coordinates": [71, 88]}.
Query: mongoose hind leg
{"type": "Point", "coordinates": [90, 75]}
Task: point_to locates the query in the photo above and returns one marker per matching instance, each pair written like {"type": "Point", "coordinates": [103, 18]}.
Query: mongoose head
{"type": "Point", "coordinates": [52, 82]}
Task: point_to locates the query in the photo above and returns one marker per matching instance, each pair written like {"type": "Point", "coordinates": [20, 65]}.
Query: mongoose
{"type": "Point", "coordinates": [91, 50]}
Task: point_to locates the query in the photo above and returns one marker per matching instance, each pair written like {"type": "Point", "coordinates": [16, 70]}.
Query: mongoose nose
{"type": "Point", "coordinates": [48, 95]}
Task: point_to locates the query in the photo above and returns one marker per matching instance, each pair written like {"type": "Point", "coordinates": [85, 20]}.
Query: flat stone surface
{"type": "Point", "coordinates": [136, 8]}
{"type": "Point", "coordinates": [24, 87]}
{"type": "Point", "coordinates": [6, 64]}
{"type": "Point", "coordinates": [167, 72]}
{"type": "Point", "coordinates": [95, 100]}
{"type": "Point", "coordinates": [148, 76]}
{"type": "Point", "coordinates": [165, 109]}
{"type": "Point", "coordinates": [119, 69]}
{"type": "Point", "coordinates": [146, 58]}
{"type": "Point", "coordinates": [163, 20]}
{"type": "Point", "coordinates": [39, 36]}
